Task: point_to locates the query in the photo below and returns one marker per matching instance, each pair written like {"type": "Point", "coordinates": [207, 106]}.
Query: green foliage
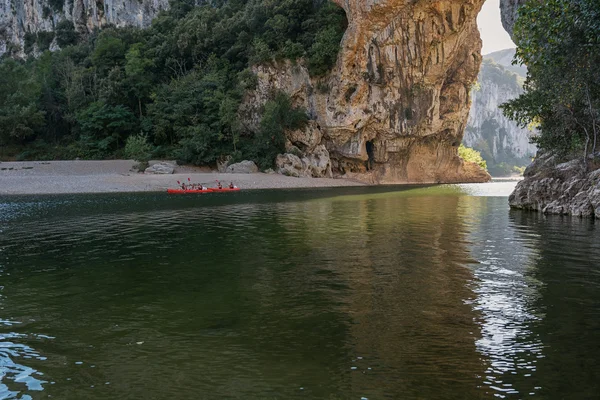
{"type": "Point", "coordinates": [559, 41]}
{"type": "Point", "coordinates": [65, 34]}
{"type": "Point", "coordinates": [518, 170]}
{"type": "Point", "coordinates": [109, 52]}
{"type": "Point", "coordinates": [103, 128]}
{"type": "Point", "coordinates": [470, 155]}
{"type": "Point", "coordinates": [178, 83]}
{"type": "Point", "coordinates": [19, 112]}
{"type": "Point", "coordinates": [279, 116]}
{"type": "Point", "coordinates": [44, 40]}
{"type": "Point", "coordinates": [57, 5]}
{"type": "Point", "coordinates": [138, 148]}
{"type": "Point", "coordinates": [490, 71]}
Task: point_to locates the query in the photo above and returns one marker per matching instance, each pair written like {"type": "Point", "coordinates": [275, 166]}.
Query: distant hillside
{"type": "Point", "coordinates": [505, 58]}
{"type": "Point", "coordinates": [501, 142]}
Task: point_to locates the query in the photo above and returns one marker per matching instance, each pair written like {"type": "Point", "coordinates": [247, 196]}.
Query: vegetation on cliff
{"type": "Point", "coordinates": [178, 84]}
{"type": "Point", "coordinates": [502, 143]}
{"type": "Point", "coordinates": [470, 155]}
{"type": "Point", "coordinates": [559, 41]}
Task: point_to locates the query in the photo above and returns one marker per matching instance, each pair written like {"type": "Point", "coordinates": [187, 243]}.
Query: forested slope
{"type": "Point", "coordinates": [178, 83]}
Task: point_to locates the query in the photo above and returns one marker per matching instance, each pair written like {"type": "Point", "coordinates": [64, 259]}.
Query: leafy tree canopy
{"type": "Point", "coordinates": [559, 41]}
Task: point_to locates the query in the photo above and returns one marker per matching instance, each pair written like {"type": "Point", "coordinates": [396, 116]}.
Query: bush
{"type": "Point", "coordinates": [65, 34]}
{"type": "Point", "coordinates": [278, 117]}
{"type": "Point", "coordinates": [470, 155]}
{"type": "Point", "coordinates": [138, 148]}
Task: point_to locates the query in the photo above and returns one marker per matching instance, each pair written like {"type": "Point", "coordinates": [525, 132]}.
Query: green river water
{"type": "Point", "coordinates": [349, 293]}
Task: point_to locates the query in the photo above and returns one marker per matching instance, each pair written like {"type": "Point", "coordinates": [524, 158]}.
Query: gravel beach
{"type": "Point", "coordinates": [54, 177]}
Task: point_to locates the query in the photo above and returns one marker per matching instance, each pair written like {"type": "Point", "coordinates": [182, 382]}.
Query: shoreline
{"type": "Point", "coordinates": [118, 176]}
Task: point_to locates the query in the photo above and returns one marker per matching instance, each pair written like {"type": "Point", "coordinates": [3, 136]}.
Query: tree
{"type": "Point", "coordinates": [103, 127]}
{"type": "Point", "coordinates": [20, 115]}
{"type": "Point", "coordinates": [65, 34]}
{"type": "Point", "coordinates": [470, 155]}
{"type": "Point", "coordinates": [278, 117]}
{"type": "Point", "coordinates": [559, 41]}
{"type": "Point", "coordinates": [137, 68]}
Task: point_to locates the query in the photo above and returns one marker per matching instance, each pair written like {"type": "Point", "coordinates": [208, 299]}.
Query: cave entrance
{"type": "Point", "coordinates": [371, 154]}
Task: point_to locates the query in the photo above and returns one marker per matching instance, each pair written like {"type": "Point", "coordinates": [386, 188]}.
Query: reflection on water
{"type": "Point", "coordinates": [434, 292]}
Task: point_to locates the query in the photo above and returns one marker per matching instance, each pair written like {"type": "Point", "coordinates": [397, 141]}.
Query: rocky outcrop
{"type": "Point", "coordinates": [161, 168]}
{"type": "Point", "coordinates": [500, 140]}
{"type": "Point", "coordinates": [243, 167]}
{"type": "Point", "coordinates": [315, 164]}
{"type": "Point", "coordinates": [395, 107]}
{"type": "Point", "coordinates": [19, 17]}
{"type": "Point", "coordinates": [554, 187]}
{"type": "Point", "coordinates": [509, 12]}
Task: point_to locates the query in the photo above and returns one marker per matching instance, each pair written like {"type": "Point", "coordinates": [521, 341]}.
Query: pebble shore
{"type": "Point", "coordinates": [79, 176]}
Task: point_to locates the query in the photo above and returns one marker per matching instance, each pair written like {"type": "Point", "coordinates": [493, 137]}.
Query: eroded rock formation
{"type": "Point", "coordinates": [553, 186]}
{"type": "Point", "coordinates": [19, 17]}
{"type": "Point", "coordinates": [395, 107]}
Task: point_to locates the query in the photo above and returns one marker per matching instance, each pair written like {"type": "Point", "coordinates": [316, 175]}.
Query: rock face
{"type": "Point", "coordinates": [509, 12]}
{"type": "Point", "coordinates": [19, 17]}
{"type": "Point", "coordinates": [316, 164]}
{"type": "Point", "coordinates": [395, 107]}
{"type": "Point", "coordinates": [500, 140]}
{"type": "Point", "coordinates": [555, 187]}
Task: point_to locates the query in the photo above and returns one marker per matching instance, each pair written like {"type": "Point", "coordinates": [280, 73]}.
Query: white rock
{"type": "Point", "coordinates": [244, 167]}
{"type": "Point", "coordinates": [160, 168]}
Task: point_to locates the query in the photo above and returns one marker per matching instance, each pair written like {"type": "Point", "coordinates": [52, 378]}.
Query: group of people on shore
{"type": "Point", "coordinates": [200, 186]}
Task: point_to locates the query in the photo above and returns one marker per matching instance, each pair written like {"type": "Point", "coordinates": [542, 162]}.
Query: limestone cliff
{"type": "Point", "coordinates": [395, 107]}
{"type": "Point", "coordinates": [19, 17]}
{"type": "Point", "coordinates": [500, 140]}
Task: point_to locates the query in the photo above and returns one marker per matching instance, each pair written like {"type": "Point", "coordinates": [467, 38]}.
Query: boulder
{"type": "Point", "coordinates": [160, 168]}
{"type": "Point", "coordinates": [244, 167]}
{"type": "Point", "coordinates": [566, 188]}
{"type": "Point", "coordinates": [318, 163]}
{"type": "Point", "coordinates": [290, 165]}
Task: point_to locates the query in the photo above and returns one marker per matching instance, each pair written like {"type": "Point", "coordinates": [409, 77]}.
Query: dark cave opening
{"type": "Point", "coordinates": [371, 154]}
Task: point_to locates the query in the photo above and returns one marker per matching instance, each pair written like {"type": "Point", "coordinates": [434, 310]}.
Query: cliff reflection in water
{"type": "Point", "coordinates": [344, 293]}
{"type": "Point", "coordinates": [403, 264]}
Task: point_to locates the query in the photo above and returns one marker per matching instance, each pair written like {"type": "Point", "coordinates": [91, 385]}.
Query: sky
{"type": "Point", "coordinates": [490, 26]}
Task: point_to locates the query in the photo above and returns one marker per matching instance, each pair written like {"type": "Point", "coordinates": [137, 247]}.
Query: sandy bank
{"type": "Point", "coordinates": [52, 177]}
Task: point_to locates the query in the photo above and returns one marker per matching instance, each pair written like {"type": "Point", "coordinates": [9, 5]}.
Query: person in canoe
{"type": "Point", "coordinates": [231, 185]}
{"type": "Point", "coordinates": [219, 185]}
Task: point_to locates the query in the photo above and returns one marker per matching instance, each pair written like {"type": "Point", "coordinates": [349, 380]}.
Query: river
{"type": "Point", "coordinates": [436, 292]}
